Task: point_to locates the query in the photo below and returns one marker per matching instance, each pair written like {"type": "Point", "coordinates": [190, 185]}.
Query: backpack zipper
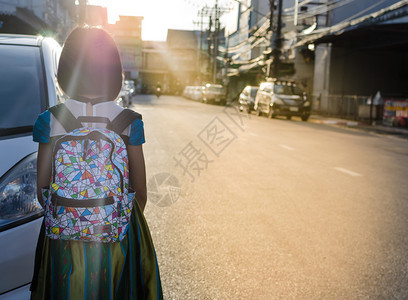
{"type": "Point", "coordinates": [57, 200]}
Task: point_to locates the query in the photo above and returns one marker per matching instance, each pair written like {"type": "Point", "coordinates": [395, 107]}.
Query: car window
{"type": "Point", "coordinates": [253, 92]}
{"type": "Point", "coordinates": [216, 89]}
{"type": "Point", "coordinates": [22, 87]}
{"type": "Point", "coordinates": [287, 89]}
{"type": "Point", "coordinates": [297, 90]}
{"type": "Point", "coordinates": [267, 87]}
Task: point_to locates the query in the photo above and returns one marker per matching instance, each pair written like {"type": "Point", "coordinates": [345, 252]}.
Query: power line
{"type": "Point", "coordinates": [315, 12]}
{"type": "Point", "coordinates": [252, 9]}
{"type": "Point", "coordinates": [321, 9]}
{"type": "Point", "coordinates": [259, 36]}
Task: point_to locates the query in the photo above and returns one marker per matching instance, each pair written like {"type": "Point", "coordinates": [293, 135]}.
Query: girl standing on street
{"type": "Point", "coordinates": [90, 74]}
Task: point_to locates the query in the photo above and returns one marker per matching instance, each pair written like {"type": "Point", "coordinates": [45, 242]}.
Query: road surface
{"type": "Point", "coordinates": [244, 207]}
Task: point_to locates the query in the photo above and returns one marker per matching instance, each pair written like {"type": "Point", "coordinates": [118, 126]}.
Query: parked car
{"type": "Point", "coordinates": [187, 92]}
{"type": "Point", "coordinates": [247, 98]}
{"type": "Point", "coordinates": [214, 93]}
{"type": "Point", "coordinates": [282, 98]}
{"type": "Point", "coordinates": [193, 92]}
{"type": "Point", "coordinates": [197, 93]}
{"type": "Point", "coordinates": [130, 86]}
{"type": "Point", "coordinates": [125, 96]}
{"type": "Point", "coordinates": [27, 87]}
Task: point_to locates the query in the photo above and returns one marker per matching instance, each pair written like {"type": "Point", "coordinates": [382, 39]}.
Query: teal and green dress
{"type": "Point", "coordinates": [90, 270]}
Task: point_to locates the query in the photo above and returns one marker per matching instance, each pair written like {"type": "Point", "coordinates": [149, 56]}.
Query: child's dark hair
{"type": "Point", "coordinates": [90, 64]}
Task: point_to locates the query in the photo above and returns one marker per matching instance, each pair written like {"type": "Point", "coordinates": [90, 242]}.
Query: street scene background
{"type": "Point", "coordinates": [287, 210]}
{"type": "Point", "coordinates": [243, 203]}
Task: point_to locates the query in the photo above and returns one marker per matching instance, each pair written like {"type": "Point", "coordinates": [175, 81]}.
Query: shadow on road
{"type": "Point", "coordinates": [325, 127]}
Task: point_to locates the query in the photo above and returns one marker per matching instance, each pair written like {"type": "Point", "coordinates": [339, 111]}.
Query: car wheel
{"type": "Point", "coordinates": [305, 118]}
{"type": "Point", "coordinates": [288, 117]}
{"type": "Point", "coordinates": [271, 113]}
{"type": "Point", "coordinates": [258, 112]}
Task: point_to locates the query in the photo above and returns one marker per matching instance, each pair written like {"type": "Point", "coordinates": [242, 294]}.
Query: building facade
{"type": "Point", "coordinates": [127, 33]}
{"type": "Point", "coordinates": [154, 69]}
{"type": "Point", "coordinates": [176, 63]}
{"type": "Point", "coordinates": [96, 16]}
{"type": "Point", "coordinates": [341, 52]}
{"type": "Point", "coordinates": [183, 58]}
{"type": "Point", "coordinates": [358, 51]}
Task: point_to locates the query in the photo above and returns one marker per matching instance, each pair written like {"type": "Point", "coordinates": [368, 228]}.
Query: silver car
{"type": "Point", "coordinates": [27, 88]}
{"type": "Point", "coordinates": [247, 98]}
{"type": "Point", "coordinates": [282, 98]}
{"type": "Point", "coordinates": [214, 93]}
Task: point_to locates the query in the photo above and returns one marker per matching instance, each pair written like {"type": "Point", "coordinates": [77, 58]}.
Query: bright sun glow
{"type": "Point", "coordinates": [159, 15]}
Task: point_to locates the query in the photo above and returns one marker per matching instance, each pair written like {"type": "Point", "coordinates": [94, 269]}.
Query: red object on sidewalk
{"type": "Point", "coordinates": [396, 112]}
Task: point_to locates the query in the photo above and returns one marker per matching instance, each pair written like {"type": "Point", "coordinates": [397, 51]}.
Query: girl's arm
{"type": "Point", "coordinates": [43, 168]}
{"type": "Point", "coordinates": [137, 173]}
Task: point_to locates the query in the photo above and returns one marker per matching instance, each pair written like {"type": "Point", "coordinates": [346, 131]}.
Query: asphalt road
{"type": "Point", "coordinates": [244, 207]}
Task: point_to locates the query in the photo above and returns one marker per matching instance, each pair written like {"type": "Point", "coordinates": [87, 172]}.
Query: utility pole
{"type": "Point", "coordinates": [209, 40]}
{"type": "Point", "coordinates": [201, 31]}
{"type": "Point", "coordinates": [216, 34]}
{"type": "Point", "coordinates": [226, 67]}
{"type": "Point", "coordinates": [82, 7]}
{"type": "Point", "coordinates": [205, 34]}
{"type": "Point", "coordinates": [295, 13]}
{"type": "Point", "coordinates": [271, 12]}
{"type": "Point", "coordinates": [277, 45]}
{"type": "Point", "coordinates": [200, 50]}
{"type": "Point", "coordinates": [214, 13]}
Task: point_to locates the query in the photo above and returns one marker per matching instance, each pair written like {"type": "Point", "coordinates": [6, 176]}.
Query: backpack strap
{"type": "Point", "coordinates": [123, 120]}
{"type": "Point", "coordinates": [65, 117]}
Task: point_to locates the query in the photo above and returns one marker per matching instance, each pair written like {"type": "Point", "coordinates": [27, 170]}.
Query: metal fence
{"type": "Point", "coordinates": [345, 106]}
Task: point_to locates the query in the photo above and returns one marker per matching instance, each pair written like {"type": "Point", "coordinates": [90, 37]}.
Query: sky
{"type": "Point", "coordinates": [159, 15]}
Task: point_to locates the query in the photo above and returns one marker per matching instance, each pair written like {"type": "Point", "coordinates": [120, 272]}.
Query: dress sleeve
{"type": "Point", "coordinates": [136, 136]}
{"type": "Point", "coordinates": [42, 128]}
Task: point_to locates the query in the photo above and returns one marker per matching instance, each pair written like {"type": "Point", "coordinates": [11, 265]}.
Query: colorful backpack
{"type": "Point", "coordinates": [89, 198]}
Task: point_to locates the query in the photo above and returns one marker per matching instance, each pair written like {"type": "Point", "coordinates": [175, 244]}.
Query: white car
{"type": "Point", "coordinates": [282, 98]}
{"type": "Point", "coordinates": [197, 93]}
{"type": "Point", "coordinates": [188, 92]}
{"type": "Point", "coordinates": [214, 93]}
{"type": "Point", "coordinates": [130, 86]}
{"type": "Point", "coordinates": [125, 96]}
{"type": "Point", "coordinates": [247, 98]}
{"type": "Point", "coordinates": [27, 87]}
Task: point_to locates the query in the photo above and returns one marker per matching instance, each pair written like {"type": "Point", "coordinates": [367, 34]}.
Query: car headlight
{"type": "Point", "coordinates": [278, 101]}
{"type": "Point", "coordinates": [306, 103]}
{"type": "Point", "coordinates": [18, 193]}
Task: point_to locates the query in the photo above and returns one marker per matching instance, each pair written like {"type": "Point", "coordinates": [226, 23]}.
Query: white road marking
{"type": "Point", "coordinates": [287, 147]}
{"type": "Point", "coordinates": [351, 173]}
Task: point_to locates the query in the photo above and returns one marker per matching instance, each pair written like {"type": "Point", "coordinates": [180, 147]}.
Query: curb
{"type": "Point", "coordinates": [322, 120]}
{"type": "Point", "coordinates": [340, 123]}
{"type": "Point", "coordinates": [381, 129]}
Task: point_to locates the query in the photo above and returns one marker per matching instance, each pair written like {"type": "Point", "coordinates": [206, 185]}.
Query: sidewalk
{"type": "Point", "coordinates": [377, 128]}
